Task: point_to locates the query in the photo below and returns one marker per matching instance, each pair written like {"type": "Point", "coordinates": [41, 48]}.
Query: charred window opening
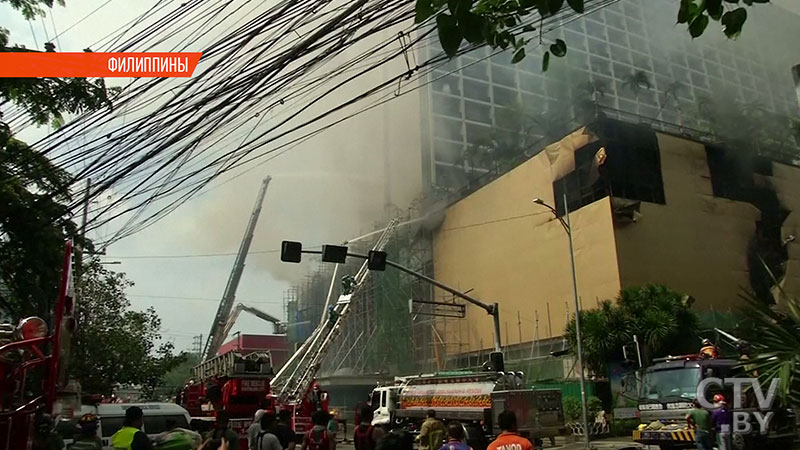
{"type": "Point", "coordinates": [584, 184]}
{"type": "Point", "coordinates": [732, 178]}
{"type": "Point", "coordinates": [631, 168]}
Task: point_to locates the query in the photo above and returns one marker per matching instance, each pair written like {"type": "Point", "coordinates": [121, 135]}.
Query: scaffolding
{"type": "Point", "coordinates": [380, 333]}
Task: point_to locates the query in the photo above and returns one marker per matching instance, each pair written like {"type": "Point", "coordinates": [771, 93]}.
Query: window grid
{"type": "Point", "coordinates": [610, 45]}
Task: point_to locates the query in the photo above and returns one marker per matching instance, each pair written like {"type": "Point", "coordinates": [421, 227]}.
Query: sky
{"type": "Point", "coordinates": [317, 195]}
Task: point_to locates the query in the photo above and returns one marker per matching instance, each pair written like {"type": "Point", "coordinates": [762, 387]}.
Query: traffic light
{"type": "Point", "coordinates": [376, 260]}
{"type": "Point", "coordinates": [497, 362]}
{"type": "Point", "coordinates": [334, 253]}
{"type": "Point", "coordinates": [291, 251]}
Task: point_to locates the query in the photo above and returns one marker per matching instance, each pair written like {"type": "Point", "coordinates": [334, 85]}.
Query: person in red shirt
{"type": "Point", "coordinates": [509, 439]}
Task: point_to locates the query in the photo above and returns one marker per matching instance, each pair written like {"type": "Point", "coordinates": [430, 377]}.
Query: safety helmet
{"type": "Point", "coordinates": [88, 422]}
{"type": "Point", "coordinates": [719, 398]}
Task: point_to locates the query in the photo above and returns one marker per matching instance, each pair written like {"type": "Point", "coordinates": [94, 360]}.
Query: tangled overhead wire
{"type": "Point", "coordinates": [266, 82]}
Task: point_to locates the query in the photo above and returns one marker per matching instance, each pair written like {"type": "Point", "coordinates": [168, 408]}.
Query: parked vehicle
{"type": "Point", "coordinates": [112, 415]}
{"type": "Point", "coordinates": [475, 399]}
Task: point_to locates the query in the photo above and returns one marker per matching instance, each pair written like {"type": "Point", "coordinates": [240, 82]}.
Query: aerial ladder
{"type": "Point", "coordinates": [294, 380]}
{"type": "Point", "coordinates": [218, 326]}
{"type": "Point", "coordinates": [280, 326]}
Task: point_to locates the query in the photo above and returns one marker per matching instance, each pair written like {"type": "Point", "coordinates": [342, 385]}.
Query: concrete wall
{"type": "Point", "coordinates": [695, 243]}
{"type": "Point", "coordinates": [511, 251]}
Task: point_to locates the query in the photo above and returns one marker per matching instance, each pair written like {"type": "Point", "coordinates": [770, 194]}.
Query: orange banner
{"type": "Point", "coordinates": [106, 65]}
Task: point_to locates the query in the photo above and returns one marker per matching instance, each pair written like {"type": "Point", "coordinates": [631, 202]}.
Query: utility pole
{"type": "Point", "coordinates": [78, 262]}
{"type": "Point", "coordinates": [215, 335]}
{"type": "Point", "coordinates": [197, 344]}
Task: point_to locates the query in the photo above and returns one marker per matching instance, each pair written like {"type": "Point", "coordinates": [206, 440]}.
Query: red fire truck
{"type": "Point", "coordinates": [31, 348]}
{"type": "Point", "coordinates": [239, 385]}
{"type": "Point", "coordinates": [231, 382]}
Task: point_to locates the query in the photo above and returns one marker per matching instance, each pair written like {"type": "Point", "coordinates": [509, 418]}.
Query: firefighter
{"type": "Point", "coordinates": [709, 350]}
{"type": "Point", "coordinates": [87, 438]}
{"type": "Point", "coordinates": [130, 436]}
{"type": "Point", "coordinates": [432, 433]}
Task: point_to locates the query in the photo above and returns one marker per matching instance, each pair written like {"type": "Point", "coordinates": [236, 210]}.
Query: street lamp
{"type": "Point", "coordinates": [566, 225]}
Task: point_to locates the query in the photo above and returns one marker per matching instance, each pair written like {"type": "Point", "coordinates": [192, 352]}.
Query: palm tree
{"type": "Point", "coordinates": [775, 352]}
{"type": "Point", "coordinates": [637, 81]}
{"type": "Point", "coordinates": [658, 316]}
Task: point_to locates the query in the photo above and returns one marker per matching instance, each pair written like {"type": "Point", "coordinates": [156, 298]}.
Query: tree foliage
{"type": "Point", "coordinates": [658, 316]}
{"type": "Point", "coordinates": [504, 23]}
{"type": "Point", "coordinates": [776, 344]}
{"type": "Point", "coordinates": [33, 226]}
{"type": "Point", "coordinates": [178, 375]}
{"type": "Point", "coordinates": [114, 344]}
{"type": "Point", "coordinates": [47, 99]}
{"type": "Point", "coordinates": [33, 191]}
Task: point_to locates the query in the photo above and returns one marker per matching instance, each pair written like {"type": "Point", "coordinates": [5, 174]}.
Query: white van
{"type": "Point", "coordinates": [112, 415]}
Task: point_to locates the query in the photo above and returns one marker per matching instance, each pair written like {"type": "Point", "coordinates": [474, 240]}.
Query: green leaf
{"type": "Point", "coordinates": [543, 6]}
{"type": "Point", "coordinates": [545, 61]}
{"type": "Point", "coordinates": [472, 27]}
{"type": "Point", "coordinates": [714, 8]}
{"type": "Point", "coordinates": [459, 7]}
{"type": "Point", "coordinates": [424, 10]}
{"type": "Point", "coordinates": [559, 49]}
{"type": "Point", "coordinates": [519, 55]}
{"type": "Point", "coordinates": [554, 6]}
{"type": "Point", "coordinates": [449, 34]}
{"type": "Point", "coordinates": [576, 5]}
{"type": "Point", "coordinates": [732, 21]}
{"type": "Point", "coordinates": [683, 11]}
{"type": "Point", "coordinates": [698, 25]}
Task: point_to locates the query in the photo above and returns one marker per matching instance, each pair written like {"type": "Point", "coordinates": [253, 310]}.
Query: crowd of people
{"type": "Point", "coordinates": [270, 431]}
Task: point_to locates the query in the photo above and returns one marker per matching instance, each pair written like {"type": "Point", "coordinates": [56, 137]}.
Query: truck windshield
{"type": "Point", "coordinates": [670, 383]}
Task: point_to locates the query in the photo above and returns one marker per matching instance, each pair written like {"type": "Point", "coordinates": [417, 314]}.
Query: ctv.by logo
{"type": "Point", "coordinates": [741, 419]}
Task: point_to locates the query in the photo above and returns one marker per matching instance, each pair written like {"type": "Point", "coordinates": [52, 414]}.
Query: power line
{"type": "Point", "coordinates": [197, 255]}
{"type": "Point", "coordinates": [205, 299]}
{"type": "Point", "coordinates": [488, 222]}
{"type": "Point", "coordinates": [171, 146]}
{"type": "Point", "coordinates": [202, 255]}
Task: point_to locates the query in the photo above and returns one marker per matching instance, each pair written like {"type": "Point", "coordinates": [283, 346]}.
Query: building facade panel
{"type": "Point", "coordinates": [509, 250]}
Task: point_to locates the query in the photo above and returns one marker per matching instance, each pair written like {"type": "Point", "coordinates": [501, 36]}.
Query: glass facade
{"type": "Point", "coordinates": [628, 61]}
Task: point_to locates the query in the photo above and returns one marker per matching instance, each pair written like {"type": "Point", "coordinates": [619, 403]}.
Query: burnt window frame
{"type": "Point", "coordinates": [629, 148]}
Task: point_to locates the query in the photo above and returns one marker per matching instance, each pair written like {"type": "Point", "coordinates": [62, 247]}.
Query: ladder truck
{"type": "Point", "coordinates": [280, 326]}
{"type": "Point", "coordinates": [231, 382]}
{"type": "Point", "coordinates": [28, 347]}
{"type": "Point", "coordinates": [294, 387]}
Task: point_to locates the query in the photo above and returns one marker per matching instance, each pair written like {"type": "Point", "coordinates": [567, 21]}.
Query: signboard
{"type": "Point", "coordinates": [253, 385]}
{"type": "Point", "coordinates": [302, 424]}
{"type": "Point", "coordinates": [447, 395]}
{"type": "Point", "coordinates": [624, 391]}
{"type": "Point", "coordinates": [240, 426]}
